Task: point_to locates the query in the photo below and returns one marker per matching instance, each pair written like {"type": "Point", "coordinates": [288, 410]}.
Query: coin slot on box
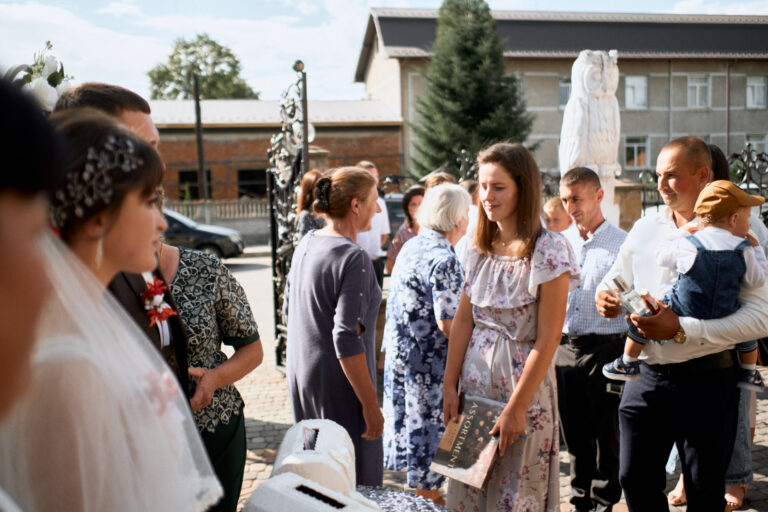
{"type": "Point", "coordinates": [320, 497]}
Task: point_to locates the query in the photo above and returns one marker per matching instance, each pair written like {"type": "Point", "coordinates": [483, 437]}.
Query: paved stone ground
{"type": "Point", "coordinates": [268, 414]}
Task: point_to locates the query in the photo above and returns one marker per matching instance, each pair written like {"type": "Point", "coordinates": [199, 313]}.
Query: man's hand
{"type": "Point", "coordinates": [661, 326]}
{"type": "Point", "coordinates": [608, 304]}
{"type": "Point", "coordinates": [205, 386]}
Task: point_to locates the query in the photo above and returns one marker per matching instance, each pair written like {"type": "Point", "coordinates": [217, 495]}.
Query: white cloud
{"type": "Point", "coordinates": [328, 39]}
{"type": "Point", "coordinates": [738, 8]}
{"type": "Point", "coordinates": [88, 52]}
{"type": "Point", "coordinates": [120, 9]}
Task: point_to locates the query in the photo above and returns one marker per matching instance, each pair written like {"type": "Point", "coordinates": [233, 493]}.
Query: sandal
{"type": "Point", "coordinates": [734, 497]}
{"type": "Point", "coordinates": [676, 496]}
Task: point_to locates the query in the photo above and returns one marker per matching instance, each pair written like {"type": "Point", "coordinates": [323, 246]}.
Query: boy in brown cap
{"type": "Point", "coordinates": [713, 264]}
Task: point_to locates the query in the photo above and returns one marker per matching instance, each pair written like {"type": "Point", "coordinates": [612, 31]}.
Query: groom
{"type": "Point", "coordinates": [133, 112]}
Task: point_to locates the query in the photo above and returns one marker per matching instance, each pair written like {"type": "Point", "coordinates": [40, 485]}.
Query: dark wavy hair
{"type": "Point", "coordinates": [720, 168]}
{"type": "Point", "coordinates": [84, 130]}
{"type": "Point", "coordinates": [412, 192]}
{"type": "Point", "coordinates": [30, 149]}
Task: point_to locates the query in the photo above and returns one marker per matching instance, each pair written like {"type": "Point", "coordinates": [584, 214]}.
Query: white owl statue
{"type": "Point", "coordinates": [591, 124]}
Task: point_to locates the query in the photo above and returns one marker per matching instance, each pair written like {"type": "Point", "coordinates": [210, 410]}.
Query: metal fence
{"type": "Point", "coordinates": [245, 208]}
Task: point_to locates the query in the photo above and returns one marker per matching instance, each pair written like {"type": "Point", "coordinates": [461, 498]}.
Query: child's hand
{"type": "Point", "coordinates": [753, 240]}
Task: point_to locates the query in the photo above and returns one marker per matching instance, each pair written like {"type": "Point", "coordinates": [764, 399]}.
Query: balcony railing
{"type": "Point", "coordinates": [227, 209]}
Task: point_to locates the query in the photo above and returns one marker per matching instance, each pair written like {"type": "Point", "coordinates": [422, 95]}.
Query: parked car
{"type": "Point", "coordinates": [219, 241]}
{"type": "Point", "coordinates": [395, 212]}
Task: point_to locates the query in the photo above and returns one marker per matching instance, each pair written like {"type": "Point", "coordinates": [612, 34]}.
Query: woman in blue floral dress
{"type": "Point", "coordinates": [423, 296]}
{"type": "Point", "coordinates": [500, 343]}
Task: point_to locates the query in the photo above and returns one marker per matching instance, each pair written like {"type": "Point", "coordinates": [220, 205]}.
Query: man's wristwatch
{"type": "Point", "coordinates": [679, 336]}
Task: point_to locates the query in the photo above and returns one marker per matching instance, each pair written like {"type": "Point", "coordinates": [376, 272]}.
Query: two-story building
{"type": "Point", "coordinates": [679, 74]}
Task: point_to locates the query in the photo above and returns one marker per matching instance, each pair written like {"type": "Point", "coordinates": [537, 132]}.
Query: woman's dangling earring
{"type": "Point", "coordinates": [99, 251]}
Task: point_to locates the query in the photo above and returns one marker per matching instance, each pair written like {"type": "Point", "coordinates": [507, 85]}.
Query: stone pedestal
{"type": "Point", "coordinates": [628, 196]}
{"type": "Point", "coordinates": [318, 158]}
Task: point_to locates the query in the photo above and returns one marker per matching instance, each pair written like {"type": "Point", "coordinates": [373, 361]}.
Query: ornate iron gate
{"type": "Point", "coordinates": [287, 158]}
{"type": "Point", "coordinates": [749, 170]}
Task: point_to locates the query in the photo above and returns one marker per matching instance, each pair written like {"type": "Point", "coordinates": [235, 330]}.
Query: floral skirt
{"type": "Point", "coordinates": [413, 417]}
{"type": "Point", "coordinates": [526, 478]}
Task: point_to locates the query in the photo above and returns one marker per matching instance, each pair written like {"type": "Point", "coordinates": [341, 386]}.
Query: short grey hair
{"type": "Point", "coordinates": [443, 207]}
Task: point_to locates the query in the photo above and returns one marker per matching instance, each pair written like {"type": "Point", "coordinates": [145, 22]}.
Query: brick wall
{"type": "Point", "coordinates": [230, 150]}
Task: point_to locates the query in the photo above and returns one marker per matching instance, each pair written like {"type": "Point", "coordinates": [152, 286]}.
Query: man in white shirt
{"type": "Point", "coordinates": [687, 392]}
{"type": "Point", "coordinates": [373, 240]}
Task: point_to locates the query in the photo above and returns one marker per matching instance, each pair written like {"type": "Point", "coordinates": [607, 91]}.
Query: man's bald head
{"type": "Point", "coordinates": [693, 151]}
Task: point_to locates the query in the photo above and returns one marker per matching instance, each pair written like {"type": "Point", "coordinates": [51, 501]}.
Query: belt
{"type": "Point", "coordinates": [719, 361]}
{"type": "Point", "coordinates": [589, 340]}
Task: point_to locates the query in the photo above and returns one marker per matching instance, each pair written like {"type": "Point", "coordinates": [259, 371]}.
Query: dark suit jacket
{"type": "Point", "coordinates": [127, 289]}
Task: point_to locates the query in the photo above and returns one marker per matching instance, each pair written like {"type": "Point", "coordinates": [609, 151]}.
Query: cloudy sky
{"type": "Point", "coordinates": [119, 41]}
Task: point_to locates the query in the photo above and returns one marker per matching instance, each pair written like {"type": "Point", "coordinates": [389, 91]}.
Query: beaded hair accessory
{"type": "Point", "coordinates": [93, 183]}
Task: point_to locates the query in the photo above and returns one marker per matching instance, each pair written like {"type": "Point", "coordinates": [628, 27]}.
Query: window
{"type": "Point", "coordinates": [636, 92]}
{"type": "Point", "coordinates": [698, 91]}
{"type": "Point", "coordinates": [757, 141]}
{"type": "Point", "coordinates": [564, 91]}
{"type": "Point", "coordinates": [757, 86]}
{"type": "Point", "coordinates": [636, 152]}
{"type": "Point", "coordinates": [188, 188]}
{"type": "Point", "coordinates": [251, 182]}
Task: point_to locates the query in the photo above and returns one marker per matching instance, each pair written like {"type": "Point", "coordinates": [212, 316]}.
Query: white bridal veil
{"type": "Point", "coordinates": [103, 425]}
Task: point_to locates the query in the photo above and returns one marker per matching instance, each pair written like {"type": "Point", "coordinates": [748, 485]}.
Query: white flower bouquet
{"type": "Point", "coordinates": [44, 78]}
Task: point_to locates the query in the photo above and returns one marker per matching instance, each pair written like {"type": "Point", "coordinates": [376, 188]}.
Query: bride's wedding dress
{"type": "Point", "coordinates": [103, 425]}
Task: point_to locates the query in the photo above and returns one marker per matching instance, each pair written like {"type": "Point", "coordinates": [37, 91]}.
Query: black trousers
{"type": "Point", "coordinates": [226, 448]}
{"type": "Point", "coordinates": [378, 267]}
{"type": "Point", "coordinates": [589, 419]}
{"type": "Point", "coordinates": [694, 408]}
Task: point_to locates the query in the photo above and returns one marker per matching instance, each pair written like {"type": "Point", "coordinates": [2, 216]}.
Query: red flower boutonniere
{"type": "Point", "coordinates": [157, 308]}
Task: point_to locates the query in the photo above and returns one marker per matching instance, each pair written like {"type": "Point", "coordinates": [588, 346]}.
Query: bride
{"type": "Point", "coordinates": [103, 425]}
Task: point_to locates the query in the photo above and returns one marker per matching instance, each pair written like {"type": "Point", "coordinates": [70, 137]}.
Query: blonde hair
{"type": "Point", "coordinates": [443, 207]}
{"type": "Point", "coordinates": [554, 204]}
{"type": "Point", "coordinates": [436, 178]}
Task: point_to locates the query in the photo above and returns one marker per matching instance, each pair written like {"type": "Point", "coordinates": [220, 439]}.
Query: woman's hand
{"type": "Point", "coordinates": [206, 383]}
{"type": "Point", "coordinates": [450, 405]}
{"type": "Point", "coordinates": [510, 426]}
{"type": "Point", "coordinates": [374, 422]}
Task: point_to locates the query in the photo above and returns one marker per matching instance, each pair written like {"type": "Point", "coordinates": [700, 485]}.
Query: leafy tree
{"type": "Point", "coordinates": [217, 66]}
{"type": "Point", "coordinates": [469, 101]}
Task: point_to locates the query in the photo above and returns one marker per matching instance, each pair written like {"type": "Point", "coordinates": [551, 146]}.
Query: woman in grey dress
{"type": "Point", "coordinates": [332, 300]}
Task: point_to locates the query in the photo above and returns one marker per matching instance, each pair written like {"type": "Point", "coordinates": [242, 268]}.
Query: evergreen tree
{"type": "Point", "coordinates": [469, 102]}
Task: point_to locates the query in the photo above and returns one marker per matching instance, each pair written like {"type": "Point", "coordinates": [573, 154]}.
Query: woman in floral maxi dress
{"type": "Point", "coordinates": [500, 344]}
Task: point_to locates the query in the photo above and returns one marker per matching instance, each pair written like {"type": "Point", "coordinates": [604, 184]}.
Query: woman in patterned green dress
{"type": "Point", "coordinates": [215, 310]}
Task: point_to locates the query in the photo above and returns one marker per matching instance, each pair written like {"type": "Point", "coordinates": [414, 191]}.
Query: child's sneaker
{"type": "Point", "coordinates": [619, 370]}
{"type": "Point", "coordinates": [751, 380]}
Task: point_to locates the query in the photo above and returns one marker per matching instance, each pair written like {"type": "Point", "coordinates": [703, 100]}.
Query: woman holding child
{"type": "Point", "coordinates": [500, 344]}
